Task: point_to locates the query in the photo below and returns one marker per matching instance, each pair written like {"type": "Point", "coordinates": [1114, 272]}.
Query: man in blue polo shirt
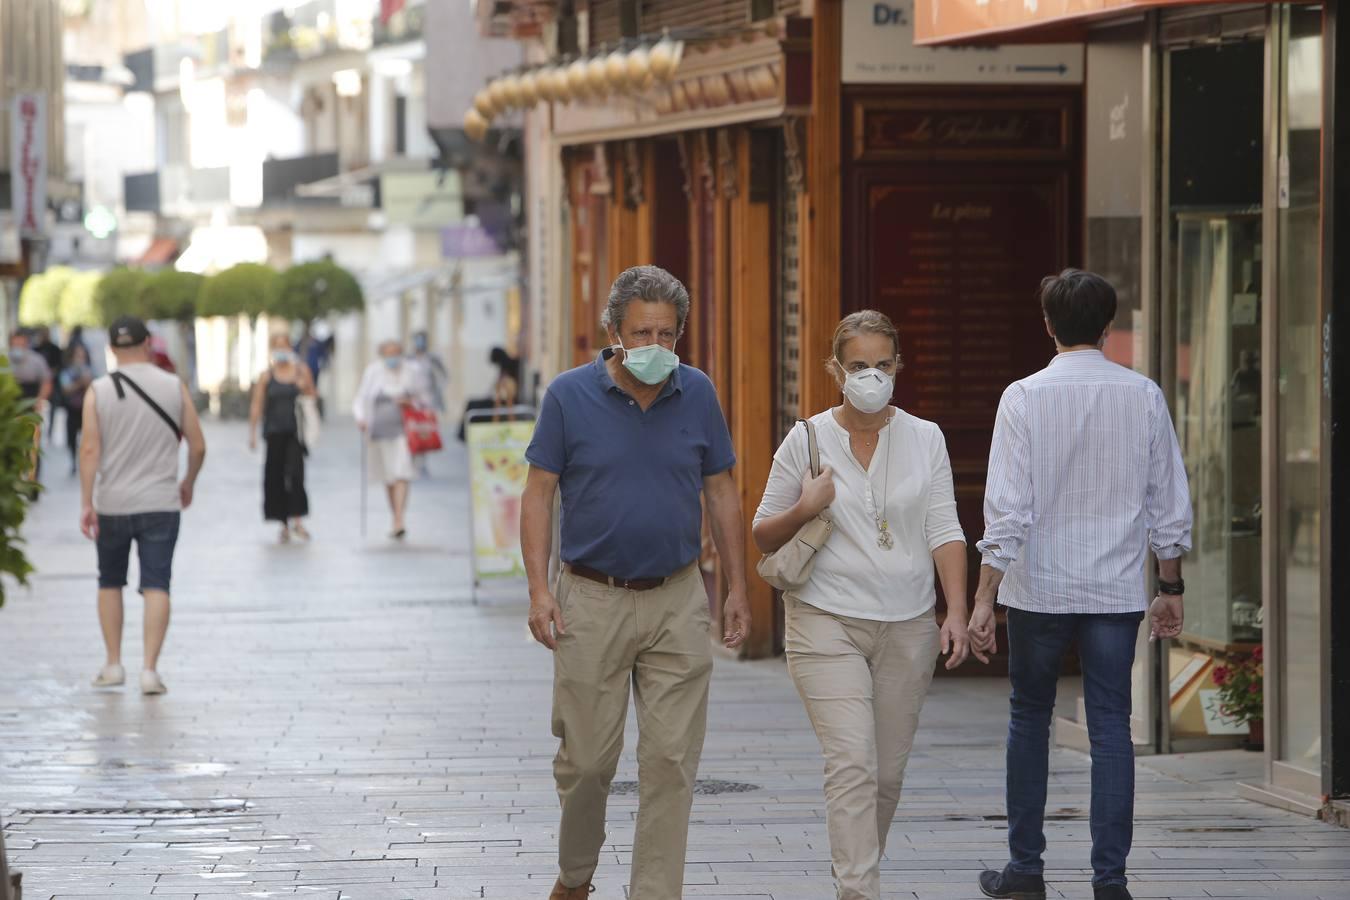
{"type": "Point", "coordinates": [632, 440]}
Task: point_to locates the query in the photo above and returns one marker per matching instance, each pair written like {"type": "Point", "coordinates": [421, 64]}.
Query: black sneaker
{"type": "Point", "coordinates": [1012, 885]}
{"type": "Point", "coordinates": [1110, 892]}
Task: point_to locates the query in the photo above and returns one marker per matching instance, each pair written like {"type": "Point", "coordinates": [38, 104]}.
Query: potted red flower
{"type": "Point", "coordinates": [1240, 698]}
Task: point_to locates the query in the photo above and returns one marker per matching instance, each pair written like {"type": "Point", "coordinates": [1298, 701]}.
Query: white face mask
{"type": "Point", "coordinates": [869, 390]}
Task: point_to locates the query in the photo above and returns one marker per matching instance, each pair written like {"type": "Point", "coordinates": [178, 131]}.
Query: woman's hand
{"type": "Point", "coordinates": [954, 642]}
{"type": "Point", "coordinates": [817, 491]}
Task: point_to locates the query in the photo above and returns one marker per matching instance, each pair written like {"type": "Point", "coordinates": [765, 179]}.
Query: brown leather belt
{"type": "Point", "coordinates": [627, 584]}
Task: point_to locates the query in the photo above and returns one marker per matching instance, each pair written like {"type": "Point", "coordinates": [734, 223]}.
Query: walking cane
{"type": "Point", "coordinates": [365, 488]}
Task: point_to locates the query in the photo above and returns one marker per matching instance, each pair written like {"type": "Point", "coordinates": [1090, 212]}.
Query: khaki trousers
{"type": "Point", "coordinates": [863, 683]}
{"type": "Point", "coordinates": [658, 641]}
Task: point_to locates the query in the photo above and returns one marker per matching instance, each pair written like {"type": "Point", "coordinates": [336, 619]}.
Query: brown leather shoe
{"type": "Point", "coordinates": [563, 892]}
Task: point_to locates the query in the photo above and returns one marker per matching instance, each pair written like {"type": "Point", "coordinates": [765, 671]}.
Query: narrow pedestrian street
{"type": "Point", "coordinates": [343, 721]}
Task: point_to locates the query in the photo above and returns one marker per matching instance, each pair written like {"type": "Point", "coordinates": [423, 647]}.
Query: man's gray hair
{"type": "Point", "coordinates": [650, 283]}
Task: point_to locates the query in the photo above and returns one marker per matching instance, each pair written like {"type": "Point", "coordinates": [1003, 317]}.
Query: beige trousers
{"type": "Point", "coordinates": [658, 641]}
{"type": "Point", "coordinates": [863, 683]}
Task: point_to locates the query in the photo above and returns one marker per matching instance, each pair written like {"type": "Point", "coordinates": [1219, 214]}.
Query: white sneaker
{"type": "Point", "coordinates": [110, 676]}
{"type": "Point", "coordinates": [152, 684]}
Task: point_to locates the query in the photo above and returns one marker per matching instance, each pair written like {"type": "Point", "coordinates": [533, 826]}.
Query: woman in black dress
{"type": "Point", "coordinates": [274, 402]}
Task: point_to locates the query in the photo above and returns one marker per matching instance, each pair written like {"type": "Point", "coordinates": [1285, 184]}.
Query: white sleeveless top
{"type": "Point", "coordinates": [138, 464]}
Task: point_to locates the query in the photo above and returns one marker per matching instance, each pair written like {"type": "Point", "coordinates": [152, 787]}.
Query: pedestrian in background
{"type": "Point", "coordinates": [275, 398]}
{"type": "Point", "coordinates": [35, 380]}
{"type": "Point", "coordinates": [1085, 475]}
{"type": "Point", "coordinates": [862, 637]}
{"type": "Point", "coordinates": [388, 387]}
{"type": "Point", "coordinates": [134, 419]}
{"type": "Point", "coordinates": [431, 377]}
{"type": "Point", "coordinates": [315, 348]}
{"type": "Point", "coordinates": [634, 440]}
{"type": "Point", "coordinates": [74, 381]}
{"type": "Point", "coordinates": [50, 351]}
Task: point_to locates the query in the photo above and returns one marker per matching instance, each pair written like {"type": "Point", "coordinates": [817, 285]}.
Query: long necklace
{"type": "Point", "coordinates": [885, 539]}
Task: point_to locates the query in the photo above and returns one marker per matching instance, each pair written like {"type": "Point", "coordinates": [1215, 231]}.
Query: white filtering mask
{"type": "Point", "coordinates": [869, 390]}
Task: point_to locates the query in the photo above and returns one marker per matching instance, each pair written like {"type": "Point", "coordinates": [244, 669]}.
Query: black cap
{"type": "Point", "coordinates": [128, 331]}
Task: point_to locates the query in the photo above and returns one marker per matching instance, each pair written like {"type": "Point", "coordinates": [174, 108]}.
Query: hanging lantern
{"type": "Point", "coordinates": [515, 95]}
{"type": "Point", "coordinates": [497, 94]}
{"type": "Point", "coordinates": [578, 79]}
{"type": "Point", "coordinates": [482, 102]}
{"type": "Point", "coordinates": [529, 90]}
{"type": "Point", "coordinates": [544, 79]}
{"type": "Point", "coordinates": [665, 58]}
{"type": "Point", "coordinates": [640, 76]}
{"type": "Point", "coordinates": [475, 125]}
{"type": "Point", "coordinates": [597, 78]}
{"type": "Point", "coordinates": [616, 71]}
{"type": "Point", "coordinates": [562, 87]}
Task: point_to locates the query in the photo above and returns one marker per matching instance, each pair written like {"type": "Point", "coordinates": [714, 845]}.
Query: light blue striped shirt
{"type": "Point", "coordinates": [1085, 475]}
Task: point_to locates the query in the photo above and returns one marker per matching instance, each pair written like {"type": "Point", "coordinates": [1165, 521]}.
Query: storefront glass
{"type": "Point", "coordinates": [1213, 275]}
{"type": "Point", "coordinates": [1299, 383]}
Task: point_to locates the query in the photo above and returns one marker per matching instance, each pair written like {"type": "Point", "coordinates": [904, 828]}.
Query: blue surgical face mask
{"type": "Point", "coordinates": [281, 357]}
{"type": "Point", "coordinates": [392, 362]}
{"type": "Point", "coordinates": [651, 364]}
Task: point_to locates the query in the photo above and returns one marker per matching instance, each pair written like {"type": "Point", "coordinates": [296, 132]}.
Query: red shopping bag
{"type": "Point", "coordinates": [419, 425]}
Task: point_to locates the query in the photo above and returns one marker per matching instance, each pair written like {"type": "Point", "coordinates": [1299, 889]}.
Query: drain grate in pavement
{"type": "Point", "coordinates": [134, 812]}
{"type": "Point", "coordinates": [705, 787]}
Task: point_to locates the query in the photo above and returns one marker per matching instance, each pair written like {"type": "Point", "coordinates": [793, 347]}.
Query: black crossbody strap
{"type": "Point", "coordinates": [118, 378]}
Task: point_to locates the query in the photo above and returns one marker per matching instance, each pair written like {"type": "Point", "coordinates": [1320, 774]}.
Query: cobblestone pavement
{"type": "Point", "coordinates": [343, 722]}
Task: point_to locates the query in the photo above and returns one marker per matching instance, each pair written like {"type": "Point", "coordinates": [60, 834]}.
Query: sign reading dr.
{"type": "Point", "coordinates": [879, 49]}
{"type": "Point", "coordinates": [28, 163]}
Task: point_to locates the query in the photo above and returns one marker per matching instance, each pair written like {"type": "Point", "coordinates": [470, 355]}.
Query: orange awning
{"type": "Point", "coordinates": [992, 21]}
{"type": "Point", "coordinates": [161, 252]}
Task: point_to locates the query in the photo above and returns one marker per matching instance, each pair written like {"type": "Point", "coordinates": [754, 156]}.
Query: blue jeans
{"type": "Point", "coordinates": [1036, 645]}
{"type": "Point", "coordinates": [155, 534]}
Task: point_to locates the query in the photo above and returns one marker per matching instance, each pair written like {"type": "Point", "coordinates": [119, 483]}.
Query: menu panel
{"type": "Point", "coordinates": [957, 266]}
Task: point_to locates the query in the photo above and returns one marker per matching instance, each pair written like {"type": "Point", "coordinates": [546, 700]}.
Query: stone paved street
{"type": "Point", "coordinates": [343, 722]}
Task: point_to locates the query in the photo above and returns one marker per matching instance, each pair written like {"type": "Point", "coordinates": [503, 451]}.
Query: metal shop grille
{"type": "Point", "coordinates": [789, 311]}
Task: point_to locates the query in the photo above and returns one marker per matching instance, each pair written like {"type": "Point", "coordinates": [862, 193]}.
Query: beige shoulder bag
{"type": "Point", "coordinates": [789, 567]}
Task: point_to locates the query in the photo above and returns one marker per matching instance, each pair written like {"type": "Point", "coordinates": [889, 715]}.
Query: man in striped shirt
{"type": "Point", "coordinates": [1085, 476]}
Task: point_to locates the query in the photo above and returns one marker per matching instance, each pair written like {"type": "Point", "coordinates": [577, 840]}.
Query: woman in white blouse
{"type": "Point", "coordinates": [388, 386]}
{"type": "Point", "coordinates": [862, 637]}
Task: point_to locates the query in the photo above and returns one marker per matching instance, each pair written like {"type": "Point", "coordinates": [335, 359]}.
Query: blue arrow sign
{"type": "Point", "coordinates": [1061, 69]}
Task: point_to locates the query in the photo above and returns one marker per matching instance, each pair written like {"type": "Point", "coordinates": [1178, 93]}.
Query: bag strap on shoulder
{"type": "Point", "coordinates": [119, 378]}
{"type": "Point", "coordinates": [812, 447]}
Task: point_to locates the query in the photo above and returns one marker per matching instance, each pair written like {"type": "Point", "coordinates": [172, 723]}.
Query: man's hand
{"type": "Point", "coordinates": [817, 491]}
{"type": "Point", "coordinates": [252, 442]}
{"type": "Point", "coordinates": [185, 493]}
{"type": "Point", "coordinates": [89, 523]}
{"type": "Point", "coordinates": [546, 621]}
{"type": "Point", "coordinates": [1165, 616]}
{"type": "Point", "coordinates": [735, 619]}
{"type": "Point", "coordinates": [955, 642]}
{"type": "Point", "coordinates": [983, 642]}
{"type": "Point", "coordinates": [360, 426]}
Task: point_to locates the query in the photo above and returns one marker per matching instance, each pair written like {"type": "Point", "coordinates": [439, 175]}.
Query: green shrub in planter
{"type": "Point", "coordinates": [239, 290]}
{"type": "Point", "coordinates": [40, 299]}
{"type": "Point", "coordinates": [119, 294]}
{"type": "Point", "coordinates": [79, 301]}
{"type": "Point", "coordinates": [171, 294]}
{"type": "Point", "coordinates": [308, 291]}
{"type": "Point", "coordinates": [18, 424]}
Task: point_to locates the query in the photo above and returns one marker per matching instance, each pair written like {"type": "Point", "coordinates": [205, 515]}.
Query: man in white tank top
{"type": "Point", "coordinates": [134, 420]}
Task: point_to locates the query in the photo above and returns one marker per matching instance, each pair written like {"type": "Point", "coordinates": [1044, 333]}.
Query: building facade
{"type": "Point", "coordinates": [934, 160]}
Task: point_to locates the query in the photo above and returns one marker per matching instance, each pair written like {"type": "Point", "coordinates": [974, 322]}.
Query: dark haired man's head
{"type": "Point", "coordinates": [1078, 306]}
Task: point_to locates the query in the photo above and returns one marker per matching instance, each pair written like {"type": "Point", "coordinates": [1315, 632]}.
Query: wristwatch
{"type": "Point", "coordinates": [1174, 588]}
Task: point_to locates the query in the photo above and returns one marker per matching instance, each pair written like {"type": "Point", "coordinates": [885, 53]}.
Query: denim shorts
{"type": "Point", "coordinates": [155, 534]}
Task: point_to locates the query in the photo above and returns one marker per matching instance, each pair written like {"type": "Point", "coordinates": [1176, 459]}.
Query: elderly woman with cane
{"type": "Point", "coordinates": [387, 388]}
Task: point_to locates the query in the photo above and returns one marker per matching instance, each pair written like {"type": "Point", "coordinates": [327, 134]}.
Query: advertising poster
{"type": "Point", "coordinates": [497, 471]}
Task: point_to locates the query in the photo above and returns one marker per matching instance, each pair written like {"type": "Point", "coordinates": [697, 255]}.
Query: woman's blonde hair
{"type": "Point", "coordinates": [864, 321]}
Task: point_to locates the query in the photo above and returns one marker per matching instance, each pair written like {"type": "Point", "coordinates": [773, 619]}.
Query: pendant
{"type": "Point", "coordinates": [885, 540]}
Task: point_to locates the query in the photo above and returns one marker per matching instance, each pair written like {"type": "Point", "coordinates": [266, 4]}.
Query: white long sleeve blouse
{"type": "Point", "coordinates": [853, 576]}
